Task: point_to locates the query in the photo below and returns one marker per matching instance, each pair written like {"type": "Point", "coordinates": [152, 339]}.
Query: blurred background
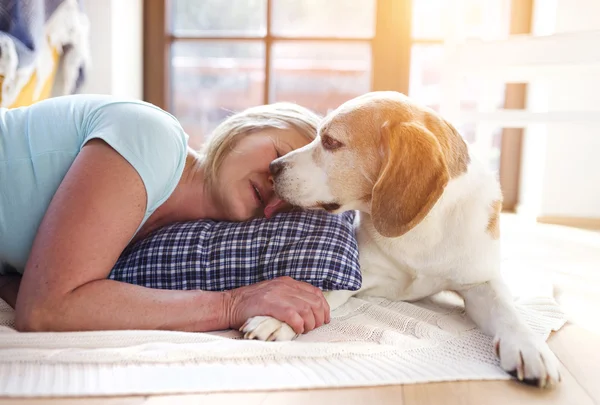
{"type": "Point", "coordinates": [520, 79]}
{"type": "Point", "coordinates": [226, 55]}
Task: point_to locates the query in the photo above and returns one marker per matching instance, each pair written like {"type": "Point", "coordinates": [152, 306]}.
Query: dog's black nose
{"type": "Point", "coordinates": [276, 167]}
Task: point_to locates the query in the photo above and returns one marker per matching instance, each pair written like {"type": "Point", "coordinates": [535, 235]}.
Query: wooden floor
{"type": "Point", "coordinates": [569, 259]}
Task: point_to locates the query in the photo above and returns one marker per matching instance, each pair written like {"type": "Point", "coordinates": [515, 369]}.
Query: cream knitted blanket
{"type": "Point", "coordinates": [370, 341]}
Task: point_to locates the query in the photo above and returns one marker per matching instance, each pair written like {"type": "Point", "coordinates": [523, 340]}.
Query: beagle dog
{"type": "Point", "coordinates": [428, 218]}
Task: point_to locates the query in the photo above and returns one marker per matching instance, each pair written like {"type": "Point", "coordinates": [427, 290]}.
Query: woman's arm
{"type": "Point", "coordinates": [92, 217]}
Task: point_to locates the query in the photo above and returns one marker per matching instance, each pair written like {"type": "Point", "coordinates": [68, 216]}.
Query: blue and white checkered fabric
{"type": "Point", "coordinates": [314, 247]}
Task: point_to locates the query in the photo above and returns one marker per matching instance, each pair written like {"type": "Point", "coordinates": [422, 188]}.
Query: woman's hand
{"type": "Point", "coordinates": [299, 304]}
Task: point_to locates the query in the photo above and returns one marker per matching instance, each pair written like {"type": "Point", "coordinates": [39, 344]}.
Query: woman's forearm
{"type": "Point", "coordinates": [111, 305]}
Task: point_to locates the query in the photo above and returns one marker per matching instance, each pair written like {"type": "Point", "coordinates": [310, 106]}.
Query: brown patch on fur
{"type": "Point", "coordinates": [412, 179]}
{"type": "Point", "coordinates": [493, 227]}
{"type": "Point", "coordinates": [397, 157]}
{"type": "Point", "coordinates": [329, 207]}
{"type": "Point", "coordinates": [355, 166]}
{"type": "Point", "coordinates": [454, 147]}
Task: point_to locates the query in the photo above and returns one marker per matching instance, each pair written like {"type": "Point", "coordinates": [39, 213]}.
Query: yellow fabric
{"type": "Point", "coordinates": [26, 96]}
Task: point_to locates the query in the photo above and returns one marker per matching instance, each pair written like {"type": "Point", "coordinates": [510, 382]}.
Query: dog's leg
{"type": "Point", "coordinates": [270, 329]}
{"type": "Point", "coordinates": [267, 328]}
{"type": "Point", "coordinates": [338, 298]}
{"type": "Point", "coordinates": [521, 353]}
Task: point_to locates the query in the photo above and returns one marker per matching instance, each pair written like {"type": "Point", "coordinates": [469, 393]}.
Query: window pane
{"type": "Point", "coordinates": [320, 76]}
{"type": "Point", "coordinates": [219, 17]}
{"type": "Point", "coordinates": [425, 87]}
{"type": "Point", "coordinates": [210, 79]}
{"type": "Point", "coordinates": [428, 18]}
{"type": "Point", "coordinates": [427, 62]}
{"type": "Point", "coordinates": [489, 19]}
{"type": "Point", "coordinates": [425, 74]}
{"type": "Point", "coordinates": [324, 18]}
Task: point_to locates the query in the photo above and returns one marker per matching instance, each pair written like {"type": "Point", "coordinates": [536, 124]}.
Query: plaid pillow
{"type": "Point", "coordinates": [314, 247]}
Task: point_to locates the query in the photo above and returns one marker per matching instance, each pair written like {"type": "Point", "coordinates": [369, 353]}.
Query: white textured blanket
{"type": "Point", "coordinates": [369, 341]}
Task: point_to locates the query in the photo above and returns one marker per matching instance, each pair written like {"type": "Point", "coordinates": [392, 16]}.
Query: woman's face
{"type": "Point", "coordinates": [243, 186]}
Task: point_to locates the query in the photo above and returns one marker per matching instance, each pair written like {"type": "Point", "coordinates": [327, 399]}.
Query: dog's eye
{"type": "Point", "coordinates": [330, 143]}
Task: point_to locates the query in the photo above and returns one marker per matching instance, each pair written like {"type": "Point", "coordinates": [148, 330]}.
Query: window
{"type": "Point", "coordinates": [432, 19]}
{"type": "Point", "coordinates": [206, 59]}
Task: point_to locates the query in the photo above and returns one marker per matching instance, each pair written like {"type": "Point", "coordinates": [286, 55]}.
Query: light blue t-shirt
{"type": "Point", "coordinates": [39, 143]}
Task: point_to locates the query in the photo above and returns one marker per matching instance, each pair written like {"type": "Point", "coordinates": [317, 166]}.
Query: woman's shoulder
{"type": "Point", "coordinates": [145, 116]}
{"type": "Point", "coordinates": [151, 139]}
{"type": "Point", "coordinates": [98, 103]}
{"type": "Point", "coordinates": [92, 108]}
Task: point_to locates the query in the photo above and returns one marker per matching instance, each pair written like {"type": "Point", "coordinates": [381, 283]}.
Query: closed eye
{"type": "Point", "coordinates": [329, 143]}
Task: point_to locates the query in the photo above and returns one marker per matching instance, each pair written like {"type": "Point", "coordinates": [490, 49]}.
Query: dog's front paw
{"type": "Point", "coordinates": [267, 328]}
{"type": "Point", "coordinates": [528, 359]}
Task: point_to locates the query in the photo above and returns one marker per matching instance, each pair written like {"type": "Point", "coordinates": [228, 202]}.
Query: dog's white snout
{"type": "Point", "coordinates": [300, 180]}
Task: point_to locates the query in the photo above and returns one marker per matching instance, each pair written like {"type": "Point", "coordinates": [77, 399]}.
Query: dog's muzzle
{"type": "Point", "coordinates": [276, 167]}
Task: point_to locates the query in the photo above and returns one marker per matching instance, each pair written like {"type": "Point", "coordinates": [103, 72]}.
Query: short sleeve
{"type": "Point", "coordinates": [150, 139]}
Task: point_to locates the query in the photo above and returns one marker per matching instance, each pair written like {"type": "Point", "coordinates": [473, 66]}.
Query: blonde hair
{"type": "Point", "coordinates": [282, 115]}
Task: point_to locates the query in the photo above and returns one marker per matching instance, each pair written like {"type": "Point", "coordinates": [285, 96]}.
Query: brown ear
{"type": "Point", "coordinates": [413, 177]}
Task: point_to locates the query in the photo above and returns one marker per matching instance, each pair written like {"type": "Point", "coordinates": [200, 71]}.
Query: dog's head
{"type": "Point", "coordinates": [379, 153]}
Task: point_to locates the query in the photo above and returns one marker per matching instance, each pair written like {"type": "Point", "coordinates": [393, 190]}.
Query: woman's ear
{"type": "Point", "coordinates": [413, 177]}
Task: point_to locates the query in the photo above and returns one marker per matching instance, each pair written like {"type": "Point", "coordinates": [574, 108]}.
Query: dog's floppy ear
{"type": "Point", "coordinates": [413, 177]}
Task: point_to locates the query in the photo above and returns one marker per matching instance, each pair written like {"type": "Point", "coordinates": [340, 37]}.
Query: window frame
{"type": "Point", "coordinates": [391, 49]}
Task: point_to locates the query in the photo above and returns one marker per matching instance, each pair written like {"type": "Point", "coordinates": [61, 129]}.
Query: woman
{"type": "Point", "coordinates": [83, 176]}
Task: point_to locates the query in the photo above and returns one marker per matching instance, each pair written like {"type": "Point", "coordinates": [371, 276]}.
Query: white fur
{"type": "Point", "coordinates": [450, 249]}
{"type": "Point", "coordinates": [308, 185]}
